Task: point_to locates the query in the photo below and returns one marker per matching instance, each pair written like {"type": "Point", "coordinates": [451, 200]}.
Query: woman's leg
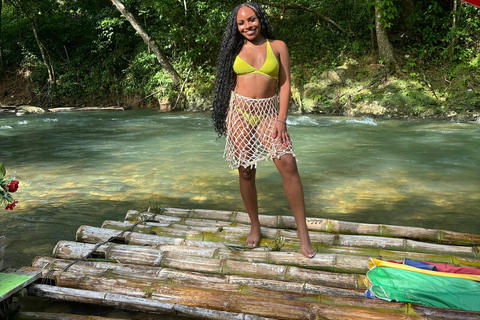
{"type": "Point", "coordinates": [287, 166]}
{"type": "Point", "coordinates": [240, 145]}
{"type": "Point", "coordinates": [249, 196]}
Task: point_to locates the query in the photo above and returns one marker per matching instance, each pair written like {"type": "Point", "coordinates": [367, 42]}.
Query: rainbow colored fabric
{"type": "Point", "coordinates": [402, 283]}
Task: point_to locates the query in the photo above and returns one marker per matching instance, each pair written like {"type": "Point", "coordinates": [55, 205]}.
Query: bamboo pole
{"type": "Point", "coordinates": [238, 235]}
{"type": "Point", "coordinates": [149, 273]}
{"type": "Point", "coordinates": [261, 255]}
{"type": "Point", "coordinates": [156, 228]}
{"type": "Point", "coordinates": [279, 306]}
{"type": "Point", "coordinates": [58, 316]}
{"type": "Point", "coordinates": [396, 244]}
{"type": "Point", "coordinates": [195, 297]}
{"type": "Point", "coordinates": [240, 284]}
{"type": "Point", "coordinates": [327, 225]}
{"type": "Point", "coordinates": [152, 257]}
{"type": "Point", "coordinates": [330, 306]}
{"type": "Point", "coordinates": [207, 222]}
{"type": "Point", "coordinates": [132, 303]}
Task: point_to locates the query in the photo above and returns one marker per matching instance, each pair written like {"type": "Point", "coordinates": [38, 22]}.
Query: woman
{"type": "Point", "coordinates": [251, 66]}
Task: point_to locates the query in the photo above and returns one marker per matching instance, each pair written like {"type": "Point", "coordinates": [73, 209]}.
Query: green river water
{"type": "Point", "coordinates": [87, 167]}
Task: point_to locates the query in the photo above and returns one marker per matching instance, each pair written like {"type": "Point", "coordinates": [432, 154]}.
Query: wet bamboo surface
{"type": "Point", "coordinates": [184, 262]}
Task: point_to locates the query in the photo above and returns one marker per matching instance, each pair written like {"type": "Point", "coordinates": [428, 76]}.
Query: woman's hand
{"type": "Point", "coordinates": [280, 132]}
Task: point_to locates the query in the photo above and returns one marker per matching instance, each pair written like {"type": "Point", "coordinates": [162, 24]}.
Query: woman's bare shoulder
{"type": "Point", "coordinates": [278, 47]}
{"type": "Point", "coordinates": [278, 44]}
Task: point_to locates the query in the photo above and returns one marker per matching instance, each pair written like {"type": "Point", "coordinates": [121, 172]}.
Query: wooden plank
{"type": "Point", "coordinates": [12, 282]}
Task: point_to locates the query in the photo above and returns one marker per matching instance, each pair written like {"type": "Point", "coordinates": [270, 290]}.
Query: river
{"type": "Point", "coordinates": [80, 168]}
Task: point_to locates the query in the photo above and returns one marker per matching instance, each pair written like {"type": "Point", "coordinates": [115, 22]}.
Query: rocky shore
{"type": "Point", "coordinates": [353, 89]}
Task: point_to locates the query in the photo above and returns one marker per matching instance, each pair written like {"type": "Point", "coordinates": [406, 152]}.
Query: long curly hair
{"type": "Point", "coordinates": [232, 43]}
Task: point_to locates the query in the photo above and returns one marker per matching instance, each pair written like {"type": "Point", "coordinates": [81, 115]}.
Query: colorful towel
{"type": "Point", "coordinates": [419, 264]}
{"type": "Point", "coordinates": [394, 282]}
{"type": "Point", "coordinates": [382, 263]}
{"type": "Point", "coordinates": [443, 267]}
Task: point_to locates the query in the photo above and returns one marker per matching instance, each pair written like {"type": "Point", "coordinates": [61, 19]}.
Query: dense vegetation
{"type": "Point", "coordinates": [86, 52]}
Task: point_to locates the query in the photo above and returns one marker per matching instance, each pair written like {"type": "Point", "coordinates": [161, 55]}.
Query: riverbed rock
{"type": "Point", "coordinates": [372, 108]}
{"type": "Point", "coordinates": [29, 109]}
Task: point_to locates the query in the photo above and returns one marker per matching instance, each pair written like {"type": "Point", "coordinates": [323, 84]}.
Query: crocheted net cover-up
{"type": "Point", "coordinates": [250, 125]}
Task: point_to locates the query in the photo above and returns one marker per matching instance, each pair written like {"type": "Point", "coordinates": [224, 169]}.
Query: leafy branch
{"type": "Point", "coordinates": [8, 186]}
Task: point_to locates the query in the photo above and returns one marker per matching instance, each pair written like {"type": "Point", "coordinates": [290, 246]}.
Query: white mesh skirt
{"type": "Point", "coordinates": [250, 125]}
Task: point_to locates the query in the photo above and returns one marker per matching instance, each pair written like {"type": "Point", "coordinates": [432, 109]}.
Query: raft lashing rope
{"type": "Point", "coordinates": [48, 278]}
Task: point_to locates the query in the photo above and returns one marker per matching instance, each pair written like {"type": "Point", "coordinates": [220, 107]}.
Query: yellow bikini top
{"type": "Point", "coordinates": [270, 66]}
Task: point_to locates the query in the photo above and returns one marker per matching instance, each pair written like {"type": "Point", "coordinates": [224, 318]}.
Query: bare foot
{"type": "Point", "coordinates": [253, 238]}
{"type": "Point", "coordinates": [305, 244]}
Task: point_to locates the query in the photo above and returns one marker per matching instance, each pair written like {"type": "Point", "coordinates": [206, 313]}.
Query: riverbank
{"type": "Point", "coordinates": [357, 88]}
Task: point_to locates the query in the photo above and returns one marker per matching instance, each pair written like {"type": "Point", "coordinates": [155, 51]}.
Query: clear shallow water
{"type": "Point", "coordinates": [84, 168]}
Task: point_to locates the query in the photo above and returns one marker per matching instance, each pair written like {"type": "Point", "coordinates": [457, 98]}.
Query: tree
{"type": "Point", "coordinates": [297, 6]}
{"type": "Point", "coordinates": [43, 51]}
{"type": "Point", "coordinates": [174, 76]}
{"type": "Point", "coordinates": [385, 48]}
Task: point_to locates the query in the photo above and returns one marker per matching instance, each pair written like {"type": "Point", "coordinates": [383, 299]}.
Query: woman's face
{"type": "Point", "coordinates": [248, 23]}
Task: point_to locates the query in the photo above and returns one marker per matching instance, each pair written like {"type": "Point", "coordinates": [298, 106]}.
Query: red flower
{"type": "Point", "coordinates": [11, 205]}
{"type": "Point", "coordinates": [12, 186]}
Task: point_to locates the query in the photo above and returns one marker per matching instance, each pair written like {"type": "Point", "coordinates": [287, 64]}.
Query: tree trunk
{"type": "Point", "coordinates": [451, 46]}
{"type": "Point", "coordinates": [46, 60]}
{"type": "Point", "coordinates": [149, 42]}
{"type": "Point", "coordinates": [385, 48]}
{"type": "Point", "coordinates": [43, 51]}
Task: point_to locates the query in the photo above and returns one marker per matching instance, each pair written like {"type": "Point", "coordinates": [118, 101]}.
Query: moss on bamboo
{"type": "Point", "coordinates": [332, 226]}
{"type": "Point", "coordinates": [350, 242]}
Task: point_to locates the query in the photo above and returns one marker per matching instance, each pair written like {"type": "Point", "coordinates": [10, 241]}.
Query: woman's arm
{"type": "Point", "coordinates": [284, 91]}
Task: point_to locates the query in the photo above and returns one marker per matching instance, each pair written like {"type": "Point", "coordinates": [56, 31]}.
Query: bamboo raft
{"type": "Point", "coordinates": [193, 263]}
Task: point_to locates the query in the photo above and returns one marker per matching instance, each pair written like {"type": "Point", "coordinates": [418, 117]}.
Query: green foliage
{"type": "Point", "coordinates": [431, 37]}
{"type": "Point", "coordinates": [409, 98]}
{"type": "Point", "coordinates": [155, 207]}
{"type": "Point", "coordinates": [388, 12]}
{"type": "Point", "coordinates": [97, 54]}
{"type": "Point", "coordinates": [7, 187]}
{"type": "Point", "coordinates": [463, 93]}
